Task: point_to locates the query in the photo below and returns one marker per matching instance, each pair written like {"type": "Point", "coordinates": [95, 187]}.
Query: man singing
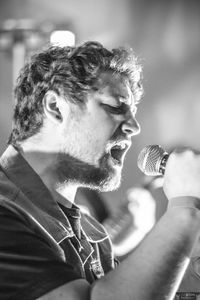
{"type": "Point", "coordinates": [73, 121]}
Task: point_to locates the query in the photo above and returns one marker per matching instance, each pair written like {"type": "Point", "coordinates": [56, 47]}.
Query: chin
{"type": "Point", "coordinates": [103, 178]}
{"type": "Point", "coordinates": [108, 184]}
{"type": "Point", "coordinates": [109, 187]}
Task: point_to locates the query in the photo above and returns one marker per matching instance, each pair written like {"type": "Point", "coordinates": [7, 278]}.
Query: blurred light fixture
{"type": "Point", "coordinates": [62, 38]}
{"type": "Point", "coordinates": [21, 37]}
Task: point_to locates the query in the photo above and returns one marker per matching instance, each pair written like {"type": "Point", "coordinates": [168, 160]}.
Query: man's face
{"type": "Point", "coordinates": [97, 137]}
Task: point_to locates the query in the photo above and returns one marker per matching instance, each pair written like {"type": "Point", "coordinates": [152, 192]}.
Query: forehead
{"type": "Point", "coordinates": [116, 85]}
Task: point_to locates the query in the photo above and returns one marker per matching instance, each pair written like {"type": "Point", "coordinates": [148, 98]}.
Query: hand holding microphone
{"type": "Point", "coordinates": [181, 170]}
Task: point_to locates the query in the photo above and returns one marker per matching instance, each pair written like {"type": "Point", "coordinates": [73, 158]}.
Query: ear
{"type": "Point", "coordinates": [55, 106]}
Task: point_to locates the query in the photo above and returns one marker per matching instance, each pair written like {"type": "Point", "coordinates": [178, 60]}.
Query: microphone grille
{"type": "Point", "coordinates": [149, 160]}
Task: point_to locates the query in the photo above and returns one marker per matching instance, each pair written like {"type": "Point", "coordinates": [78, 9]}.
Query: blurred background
{"type": "Point", "coordinates": [165, 35]}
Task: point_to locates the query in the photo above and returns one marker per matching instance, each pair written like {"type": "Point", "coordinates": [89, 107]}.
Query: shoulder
{"type": "Point", "coordinates": [24, 252]}
{"type": "Point", "coordinates": [18, 225]}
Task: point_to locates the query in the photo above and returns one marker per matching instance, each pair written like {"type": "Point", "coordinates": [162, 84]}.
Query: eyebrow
{"type": "Point", "coordinates": [129, 101]}
{"type": "Point", "coordinates": [119, 96]}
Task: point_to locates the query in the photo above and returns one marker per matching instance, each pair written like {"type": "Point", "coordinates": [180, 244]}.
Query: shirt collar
{"type": "Point", "coordinates": [43, 205]}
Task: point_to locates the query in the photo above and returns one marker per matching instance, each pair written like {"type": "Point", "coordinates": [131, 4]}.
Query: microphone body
{"type": "Point", "coordinates": [152, 160]}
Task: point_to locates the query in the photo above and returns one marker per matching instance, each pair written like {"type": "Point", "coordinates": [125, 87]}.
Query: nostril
{"type": "Point", "coordinates": [129, 131]}
{"type": "Point", "coordinates": [131, 128]}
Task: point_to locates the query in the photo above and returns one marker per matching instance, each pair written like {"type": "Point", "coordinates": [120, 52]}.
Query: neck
{"type": "Point", "coordinates": [43, 163]}
{"type": "Point", "coordinates": [65, 192]}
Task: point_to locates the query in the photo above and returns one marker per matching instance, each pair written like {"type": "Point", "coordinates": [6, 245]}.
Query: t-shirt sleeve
{"type": "Point", "coordinates": [29, 268]}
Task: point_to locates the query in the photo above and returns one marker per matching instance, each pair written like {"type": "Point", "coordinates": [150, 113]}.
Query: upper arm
{"type": "Point", "coordinates": [75, 290]}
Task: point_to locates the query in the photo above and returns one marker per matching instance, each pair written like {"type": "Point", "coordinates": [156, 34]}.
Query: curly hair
{"type": "Point", "coordinates": [68, 71]}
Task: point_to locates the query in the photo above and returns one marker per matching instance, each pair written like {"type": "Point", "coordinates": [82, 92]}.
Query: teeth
{"type": "Point", "coordinates": [121, 145]}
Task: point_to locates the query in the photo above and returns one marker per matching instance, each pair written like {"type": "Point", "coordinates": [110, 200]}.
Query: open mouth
{"type": "Point", "coordinates": [117, 152]}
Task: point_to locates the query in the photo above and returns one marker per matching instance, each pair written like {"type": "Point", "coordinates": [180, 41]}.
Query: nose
{"type": "Point", "coordinates": [131, 126]}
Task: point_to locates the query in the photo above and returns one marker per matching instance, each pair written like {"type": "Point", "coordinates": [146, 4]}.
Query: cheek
{"type": "Point", "coordinates": [89, 136]}
{"type": "Point", "coordinates": [102, 125]}
{"type": "Point", "coordinates": [100, 131]}
{"type": "Point", "coordinates": [92, 140]}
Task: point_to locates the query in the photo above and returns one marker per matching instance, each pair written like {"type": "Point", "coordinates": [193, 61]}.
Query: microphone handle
{"type": "Point", "coordinates": [163, 164]}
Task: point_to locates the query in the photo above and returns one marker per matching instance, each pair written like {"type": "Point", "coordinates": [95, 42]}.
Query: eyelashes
{"type": "Point", "coordinates": [118, 110]}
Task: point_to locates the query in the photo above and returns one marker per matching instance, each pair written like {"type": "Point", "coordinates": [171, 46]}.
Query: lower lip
{"type": "Point", "coordinates": [115, 162]}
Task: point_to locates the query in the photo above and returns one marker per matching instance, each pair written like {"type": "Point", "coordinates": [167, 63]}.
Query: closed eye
{"type": "Point", "coordinates": [117, 110]}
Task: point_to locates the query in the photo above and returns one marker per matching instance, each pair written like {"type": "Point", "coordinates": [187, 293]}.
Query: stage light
{"type": "Point", "coordinates": [22, 37]}
{"type": "Point", "coordinates": [62, 38]}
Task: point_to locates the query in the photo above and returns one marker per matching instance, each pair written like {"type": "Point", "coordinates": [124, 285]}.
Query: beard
{"type": "Point", "coordinates": [103, 178]}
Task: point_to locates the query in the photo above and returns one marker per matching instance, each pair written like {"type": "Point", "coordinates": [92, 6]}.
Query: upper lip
{"type": "Point", "coordinates": [124, 144]}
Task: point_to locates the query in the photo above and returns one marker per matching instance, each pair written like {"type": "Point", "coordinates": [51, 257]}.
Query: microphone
{"type": "Point", "coordinates": [152, 160]}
